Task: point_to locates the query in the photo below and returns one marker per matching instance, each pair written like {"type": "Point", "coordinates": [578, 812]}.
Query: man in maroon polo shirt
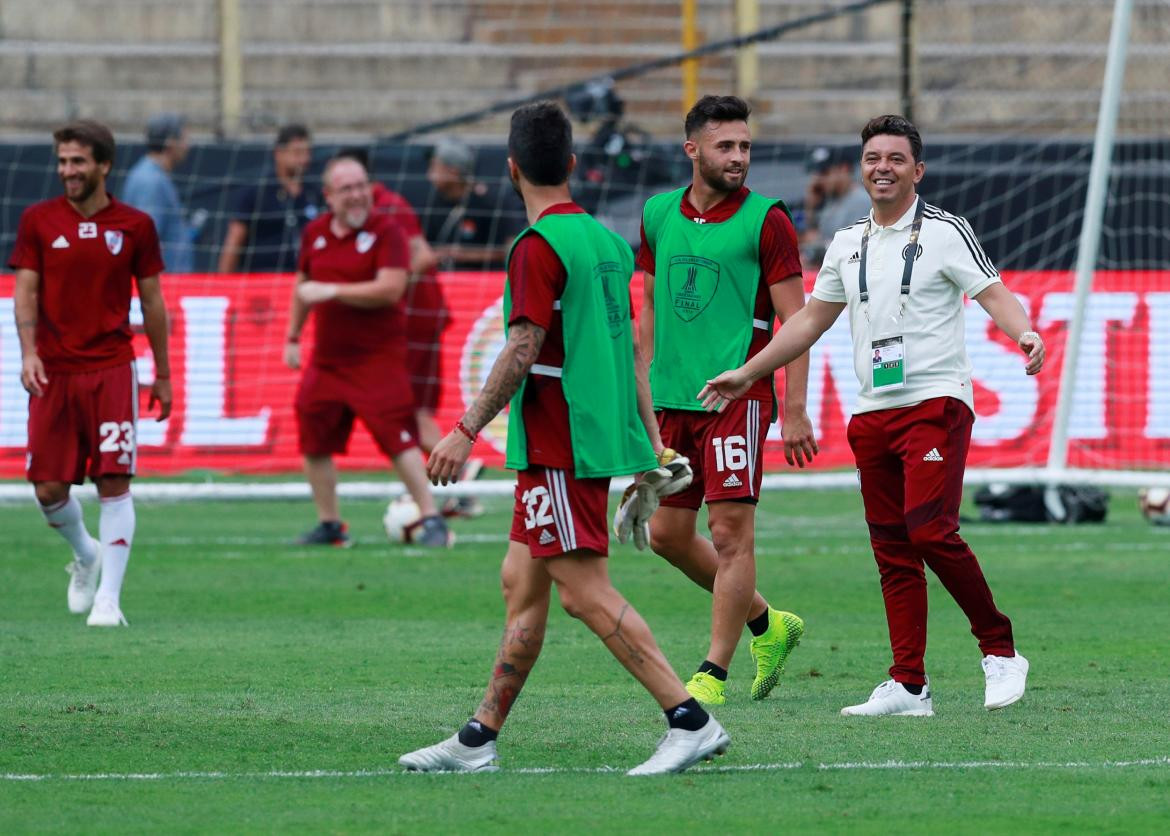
{"type": "Point", "coordinates": [352, 272]}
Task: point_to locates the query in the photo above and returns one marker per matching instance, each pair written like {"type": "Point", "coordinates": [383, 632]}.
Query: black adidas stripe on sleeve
{"type": "Point", "coordinates": [968, 235]}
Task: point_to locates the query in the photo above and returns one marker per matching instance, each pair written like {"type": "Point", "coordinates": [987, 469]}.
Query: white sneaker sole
{"type": "Point", "coordinates": [1010, 701]}
{"type": "Point", "coordinates": [845, 712]}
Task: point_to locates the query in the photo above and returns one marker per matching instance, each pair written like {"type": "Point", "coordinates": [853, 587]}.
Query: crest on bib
{"type": "Point", "coordinates": [114, 241]}
{"type": "Point", "coordinates": [365, 240]}
{"type": "Point", "coordinates": [692, 281]}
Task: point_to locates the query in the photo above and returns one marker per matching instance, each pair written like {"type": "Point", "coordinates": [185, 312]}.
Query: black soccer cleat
{"type": "Point", "coordinates": [328, 533]}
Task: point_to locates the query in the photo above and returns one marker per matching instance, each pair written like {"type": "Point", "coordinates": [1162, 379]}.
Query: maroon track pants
{"type": "Point", "coordinates": [911, 462]}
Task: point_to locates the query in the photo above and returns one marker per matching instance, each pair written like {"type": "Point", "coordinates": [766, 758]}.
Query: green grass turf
{"type": "Point", "coordinates": [247, 657]}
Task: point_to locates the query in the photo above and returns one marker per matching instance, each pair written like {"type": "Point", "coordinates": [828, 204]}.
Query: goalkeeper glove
{"type": "Point", "coordinates": [640, 500]}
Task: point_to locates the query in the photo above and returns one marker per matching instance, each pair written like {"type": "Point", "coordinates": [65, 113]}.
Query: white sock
{"type": "Point", "coordinates": [117, 533]}
{"type": "Point", "coordinates": [67, 520]}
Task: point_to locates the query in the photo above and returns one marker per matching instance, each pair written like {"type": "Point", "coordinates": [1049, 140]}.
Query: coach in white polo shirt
{"type": "Point", "coordinates": [911, 428]}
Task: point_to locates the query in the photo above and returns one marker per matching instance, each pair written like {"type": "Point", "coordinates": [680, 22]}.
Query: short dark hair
{"type": "Point", "coordinates": [716, 109]}
{"type": "Point", "coordinates": [540, 142]}
{"type": "Point", "coordinates": [290, 132]}
{"type": "Point", "coordinates": [893, 125]}
{"type": "Point", "coordinates": [93, 135]}
{"type": "Point", "coordinates": [355, 153]}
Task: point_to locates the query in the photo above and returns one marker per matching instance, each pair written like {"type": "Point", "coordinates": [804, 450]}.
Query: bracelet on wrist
{"type": "Point", "coordinates": [462, 428]}
{"type": "Point", "coordinates": [292, 340]}
{"type": "Point", "coordinates": [162, 377]}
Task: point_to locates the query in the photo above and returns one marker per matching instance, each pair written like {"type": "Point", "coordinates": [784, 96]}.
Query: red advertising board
{"type": "Point", "coordinates": [234, 395]}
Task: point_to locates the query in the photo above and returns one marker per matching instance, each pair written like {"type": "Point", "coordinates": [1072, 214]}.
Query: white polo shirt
{"type": "Point", "coordinates": [950, 264]}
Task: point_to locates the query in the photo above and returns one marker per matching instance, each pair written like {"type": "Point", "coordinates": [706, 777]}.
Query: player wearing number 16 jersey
{"type": "Point", "coordinates": [578, 417]}
{"type": "Point", "coordinates": [76, 259]}
{"type": "Point", "coordinates": [721, 262]}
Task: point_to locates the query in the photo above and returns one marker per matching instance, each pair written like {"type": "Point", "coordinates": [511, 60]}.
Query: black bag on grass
{"type": "Point", "coordinates": [1025, 503]}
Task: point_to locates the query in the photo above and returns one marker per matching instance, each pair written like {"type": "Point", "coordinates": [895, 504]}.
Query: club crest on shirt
{"type": "Point", "coordinates": [692, 281]}
{"type": "Point", "coordinates": [365, 240]}
{"type": "Point", "coordinates": [319, 244]}
{"type": "Point", "coordinates": [114, 241]}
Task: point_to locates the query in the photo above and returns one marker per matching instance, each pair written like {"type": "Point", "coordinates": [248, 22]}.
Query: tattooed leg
{"type": "Point", "coordinates": [586, 593]}
{"type": "Point", "coordinates": [526, 585]}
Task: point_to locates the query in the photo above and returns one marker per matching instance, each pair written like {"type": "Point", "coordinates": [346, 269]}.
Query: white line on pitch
{"type": "Point", "coordinates": [603, 770]}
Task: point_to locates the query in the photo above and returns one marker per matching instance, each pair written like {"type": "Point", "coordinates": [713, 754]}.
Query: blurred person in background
{"type": "Point", "coordinates": [150, 187]}
{"type": "Point", "coordinates": [469, 223]}
{"type": "Point", "coordinates": [833, 199]}
{"type": "Point", "coordinates": [427, 317]}
{"type": "Point", "coordinates": [353, 273]}
{"type": "Point", "coordinates": [267, 218]}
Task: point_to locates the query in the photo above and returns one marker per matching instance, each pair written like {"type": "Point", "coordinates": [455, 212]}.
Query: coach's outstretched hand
{"type": "Point", "coordinates": [723, 389]}
{"type": "Point", "coordinates": [447, 459]}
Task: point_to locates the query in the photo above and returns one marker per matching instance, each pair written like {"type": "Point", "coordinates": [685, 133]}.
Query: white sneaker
{"type": "Point", "coordinates": [452, 756]}
{"type": "Point", "coordinates": [84, 581]}
{"type": "Point", "coordinates": [680, 749]}
{"type": "Point", "coordinates": [891, 699]}
{"type": "Point", "coordinates": [106, 613]}
{"type": "Point", "coordinates": [1006, 677]}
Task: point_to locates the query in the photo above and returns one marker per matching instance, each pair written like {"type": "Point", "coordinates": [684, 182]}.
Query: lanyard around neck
{"type": "Point", "coordinates": [911, 256]}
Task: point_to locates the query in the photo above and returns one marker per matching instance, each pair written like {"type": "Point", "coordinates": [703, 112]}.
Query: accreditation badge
{"type": "Point", "coordinates": [889, 364]}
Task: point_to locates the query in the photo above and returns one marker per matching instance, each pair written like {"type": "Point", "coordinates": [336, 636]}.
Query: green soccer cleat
{"type": "Point", "coordinates": [706, 689]}
{"type": "Point", "coordinates": [772, 648]}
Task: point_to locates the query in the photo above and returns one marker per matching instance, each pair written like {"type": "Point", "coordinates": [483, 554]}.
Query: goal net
{"type": "Point", "coordinates": [1007, 94]}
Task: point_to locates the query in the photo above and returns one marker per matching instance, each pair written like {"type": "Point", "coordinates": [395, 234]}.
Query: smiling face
{"type": "Point", "coordinates": [347, 191]}
{"type": "Point", "coordinates": [722, 152]}
{"type": "Point", "coordinates": [80, 174]}
{"type": "Point", "coordinates": [889, 171]}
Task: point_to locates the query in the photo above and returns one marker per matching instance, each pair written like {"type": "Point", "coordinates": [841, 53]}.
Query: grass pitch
{"type": "Point", "coordinates": [263, 687]}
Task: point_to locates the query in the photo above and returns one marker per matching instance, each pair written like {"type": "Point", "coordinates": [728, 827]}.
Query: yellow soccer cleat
{"type": "Point", "coordinates": [771, 650]}
{"type": "Point", "coordinates": [706, 689]}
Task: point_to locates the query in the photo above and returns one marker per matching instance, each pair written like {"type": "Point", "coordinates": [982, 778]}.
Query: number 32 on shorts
{"type": "Point", "coordinates": [116, 436]}
{"type": "Point", "coordinates": [536, 502]}
{"type": "Point", "coordinates": [730, 452]}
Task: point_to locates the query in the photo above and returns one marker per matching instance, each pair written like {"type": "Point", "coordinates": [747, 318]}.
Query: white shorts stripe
{"type": "Point", "coordinates": [550, 479]}
{"type": "Point", "coordinates": [570, 540]}
{"type": "Point", "coordinates": [134, 416]}
{"type": "Point", "coordinates": [753, 441]}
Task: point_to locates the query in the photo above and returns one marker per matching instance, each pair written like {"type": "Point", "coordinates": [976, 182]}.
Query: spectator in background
{"type": "Point", "coordinates": [267, 219]}
{"type": "Point", "coordinates": [352, 276]}
{"type": "Point", "coordinates": [150, 188]}
{"type": "Point", "coordinates": [427, 317]}
{"type": "Point", "coordinates": [470, 224]}
{"type": "Point", "coordinates": [833, 200]}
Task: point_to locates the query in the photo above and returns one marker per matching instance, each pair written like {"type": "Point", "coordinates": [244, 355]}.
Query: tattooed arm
{"type": "Point", "coordinates": [524, 342]}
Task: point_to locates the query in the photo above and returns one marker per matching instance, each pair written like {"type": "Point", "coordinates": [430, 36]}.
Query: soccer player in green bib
{"type": "Point", "coordinates": [579, 415]}
{"type": "Point", "coordinates": [721, 262]}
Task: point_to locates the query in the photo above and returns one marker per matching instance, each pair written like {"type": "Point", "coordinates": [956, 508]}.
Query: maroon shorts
{"type": "Point", "coordinates": [84, 417]}
{"type": "Point", "coordinates": [426, 319]}
{"type": "Point", "coordinates": [328, 400]}
{"type": "Point", "coordinates": [424, 366]}
{"type": "Point", "coordinates": [556, 512]}
{"type": "Point", "coordinates": [725, 448]}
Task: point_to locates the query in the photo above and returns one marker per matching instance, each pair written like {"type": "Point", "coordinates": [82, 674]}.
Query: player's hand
{"type": "Point", "coordinates": [800, 445]}
{"type": "Point", "coordinates": [160, 393]}
{"type": "Point", "coordinates": [311, 292]}
{"type": "Point", "coordinates": [723, 389]}
{"type": "Point", "coordinates": [447, 459]}
{"type": "Point", "coordinates": [292, 355]}
{"type": "Point", "coordinates": [1031, 344]}
{"type": "Point", "coordinates": [32, 375]}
